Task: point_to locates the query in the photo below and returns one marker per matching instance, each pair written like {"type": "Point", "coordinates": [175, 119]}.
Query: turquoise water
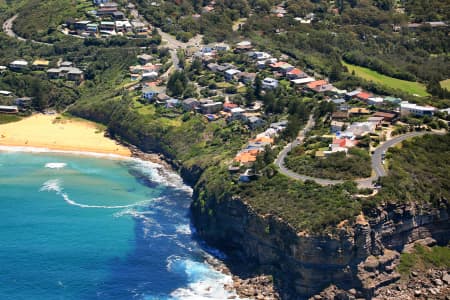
{"type": "Point", "coordinates": [77, 227]}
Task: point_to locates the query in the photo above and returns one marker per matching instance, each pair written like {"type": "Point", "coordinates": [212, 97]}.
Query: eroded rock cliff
{"type": "Point", "coordinates": [359, 256]}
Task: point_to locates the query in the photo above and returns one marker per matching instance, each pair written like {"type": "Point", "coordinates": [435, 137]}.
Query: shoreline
{"type": "Point", "coordinates": [54, 133]}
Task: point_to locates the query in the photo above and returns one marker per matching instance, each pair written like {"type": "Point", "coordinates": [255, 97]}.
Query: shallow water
{"type": "Point", "coordinates": [78, 227]}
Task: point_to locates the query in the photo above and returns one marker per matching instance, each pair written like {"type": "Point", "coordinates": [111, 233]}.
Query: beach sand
{"type": "Point", "coordinates": [48, 131]}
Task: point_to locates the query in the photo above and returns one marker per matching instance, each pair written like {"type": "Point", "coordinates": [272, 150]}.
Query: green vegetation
{"type": "Point", "coordinates": [445, 84]}
{"type": "Point", "coordinates": [418, 172]}
{"type": "Point", "coordinates": [411, 87]}
{"type": "Point", "coordinates": [306, 206]}
{"type": "Point", "coordinates": [423, 258]}
{"type": "Point", "coordinates": [9, 118]}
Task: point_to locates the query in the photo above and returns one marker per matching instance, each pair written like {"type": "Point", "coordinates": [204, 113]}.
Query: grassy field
{"type": "Point", "coordinates": [445, 84]}
{"type": "Point", "coordinates": [9, 118]}
{"type": "Point", "coordinates": [403, 85]}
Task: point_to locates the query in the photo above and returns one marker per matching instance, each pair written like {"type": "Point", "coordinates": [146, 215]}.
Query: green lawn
{"type": "Point", "coordinates": [9, 118]}
{"type": "Point", "coordinates": [445, 84]}
{"type": "Point", "coordinates": [403, 85]}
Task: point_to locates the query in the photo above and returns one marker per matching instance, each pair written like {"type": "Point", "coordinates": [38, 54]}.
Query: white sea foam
{"type": "Point", "coordinates": [183, 229]}
{"type": "Point", "coordinates": [55, 165]}
{"type": "Point", "coordinates": [55, 185]}
{"type": "Point", "coordinates": [159, 174]}
{"type": "Point", "coordinates": [205, 281]}
{"type": "Point", "coordinates": [52, 185]}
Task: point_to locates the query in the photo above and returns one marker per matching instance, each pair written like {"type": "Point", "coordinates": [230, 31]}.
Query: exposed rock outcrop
{"type": "Point", "coordinates": [360, 257]}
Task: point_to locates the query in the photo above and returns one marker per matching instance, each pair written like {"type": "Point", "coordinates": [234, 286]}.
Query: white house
{"type": "Point", "coordinates": [231, 73]}
{"type": "Point", "coordinates": [407, 108]}
{"type": "Point", "coordinates": [269, 83]}
{"type": "Point", "coordinates": [19, 64]}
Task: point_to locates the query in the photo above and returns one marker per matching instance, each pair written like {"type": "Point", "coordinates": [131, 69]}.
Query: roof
{"type": "Point", "coordinates": [375, 119]}
{"type": "Point", "coordinates": [13, 107]}
{"type": "Point", "coordinates": [20, 62]}
{"type": "Point", "coordinates": [364, 95]}
{"type": "Point", "coordinates": [384, 115]}
{"type": "Point", "coordinates": [41, 62]}
{"type": "Point", "coordinates": [232, 71]}
{"type": "Point", "coordinates": [339, 114]}
{"type": "Point", "coordinates": [230, 105]}
{"type": "Point", "coordinates": [295, 71]}
{"type": "Point", "coordinates": [408, 105]}
{"type": "Point", "coordinates": [317, 83]}
{"type": "Point", "coordinates": [358, 110]}
{"type": "Point", "coordinates": [5, 93]}
{"type": "Point", "coordinates": [303, 80]}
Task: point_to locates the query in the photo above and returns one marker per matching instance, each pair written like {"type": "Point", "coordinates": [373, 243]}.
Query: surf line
{"type": "Point", "coordinates": [55, 186]}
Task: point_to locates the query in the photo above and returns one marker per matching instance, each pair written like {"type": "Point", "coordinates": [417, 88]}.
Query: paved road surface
{"type": "Point", "coordinates": [8, 29]}
{"type": "Point", "coordinates": [377, 163]}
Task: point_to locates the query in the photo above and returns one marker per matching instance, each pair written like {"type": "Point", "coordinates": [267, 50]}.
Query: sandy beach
{"type": "Point", "coordinates": [59, 133]}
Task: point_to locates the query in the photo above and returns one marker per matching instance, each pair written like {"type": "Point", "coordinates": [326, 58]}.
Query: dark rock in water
{"type": "Point", "coordinates": [142, 178]}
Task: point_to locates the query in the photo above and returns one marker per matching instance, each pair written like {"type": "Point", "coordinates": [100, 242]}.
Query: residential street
{"type": "Point", "coordinates": [377, 162]}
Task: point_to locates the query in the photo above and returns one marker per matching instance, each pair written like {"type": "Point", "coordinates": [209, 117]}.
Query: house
{"type": "Point", "coordinates": [302, 81]}
{"type": "Point", "coordinates": [228, 106]}
{"type": "Point", "coordinates": [269, 83]}
{"type": "Point", "coordinates": [40, 64]}
{"type": "Point", "coordinates": [225, 67]}
{"type": "Point", "coordinates": [364, 96]}
{"type": "Point", "coordinates": [377, 101]}
{"type": "Point", "coordinates": [295, 74]}
{"type": "Point", "coordinates": [107, 25]}
{"type": "Point", "coordinates": [144, 58]}
{"type": "Point", "coordinates": [248, 175]}
{"type": "Point", "coordinates": [338, 101]}
{"type": "Point", "coordinates": [243, 46]}
{"type": "Point", "coordinates": [222, 47]}
{"type": "Point", "coordinates": [149, 76]}
{"type": "Point", "coordinates": [237, 114]}
{"type": "Point", "coordinates": [211, 107]}
{"type": "Point", "coordinates": [5, 93]}
{"type": "Point", "coordinates": [162, 98]}
{"type": "Point", "coordinates": [98, 2]}
{"type": "Point", "coordinates": [279, 126]}
{"type": "Point", "coordinates": [387, 117]}
{"type": "Point", "coordinates": [358, 111]}
{"type": "Point", "coordinates": [282, 67]}
{"type": "Point", "coordinates": [92, 28]}
{"type": "Point", "coordinates": [339, 115]}
{"type": "Point", "coordinates": [149, 93]}
{"type": "Point", "coordinates": [261, 55]}
{"type": "Point", "coordinates": [53, 73]}
{"type": "Point", "coordinates": [255, 122]}
{"type": "Point", "coordinates": [230, 74]}
{"type": "Point", "coordinates": [66, 64]}
{"type": "Point", "coordinates": [75, 74]}
{"type": "Point", "coordinates": [359, 129]}
{"type": "Point", "coordinates": [18, 65]}
{"type": "Point", "coordinates": [207, 49]}
{"type": "Point", "coordinates": [247, 78]}
{"type": "Point", "coordinates": [124, 26]}
{"type": "Point", "coordinates": [23, 102]}
{"type": "Point", "coordinates": [376, 120]}
{"type": "Point", "coordinates": [7, 109]}
{"type": "Point", "coordinates": [352, 94]}
{"type": "Point", "coordinates": [336, 126]}
{"type": "Point", "coordinates": [212, 67]}
{"type": "Point", "coordinates": [3, 68]}
{"type": "Point", "coordinates": [407, 108]}
{"type": "Point", "coordinates": [392, 100]}
{"type": "Point", "coordinates": [190, 104]}
{"type": "Point", "coordinates": [118, 15]}
{"type": "Point", "coordinates": [171, 103]}
{"type": "Point", "coordinates": [320, 86]}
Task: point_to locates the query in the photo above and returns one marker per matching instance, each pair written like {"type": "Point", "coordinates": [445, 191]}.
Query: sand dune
{"type": "Point", "coordinates": [54, 133]}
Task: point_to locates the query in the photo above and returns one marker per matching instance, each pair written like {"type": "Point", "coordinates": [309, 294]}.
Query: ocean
{"type": "Point", "coordinates": [87, 227]}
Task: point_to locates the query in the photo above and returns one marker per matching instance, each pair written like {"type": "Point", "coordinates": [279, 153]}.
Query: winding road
{"type": "Point", "coordinates": [376, 158]}
{"type": "Point", "coordinates": [8, 29]}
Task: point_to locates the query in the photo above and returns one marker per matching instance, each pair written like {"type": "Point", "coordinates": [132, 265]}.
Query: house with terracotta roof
{"type": "Point", "coordinates": [387, 117]}
{"type": "Point", "coordinates": [364, 96]}
{"type": "Point", "coordinates": [296, 74]}
{"type": "Point", "coordinates": [319, 86]}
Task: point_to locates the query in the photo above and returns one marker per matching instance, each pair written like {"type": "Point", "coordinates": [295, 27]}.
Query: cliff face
{"type": "Point", "coordinates": [357, 257]}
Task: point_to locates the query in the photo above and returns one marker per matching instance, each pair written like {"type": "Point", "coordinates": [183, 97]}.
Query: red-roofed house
{"type": "Point", "coordinates": [227, 106]}
{"type": "Point", "coordinates": [344, 143]}
{"type": "Point", "coordinates": [320, 86]}
{"type": "Point", "coordinates": [296, 74]}
{"type": "Point", "coordinates": [364, 96]}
